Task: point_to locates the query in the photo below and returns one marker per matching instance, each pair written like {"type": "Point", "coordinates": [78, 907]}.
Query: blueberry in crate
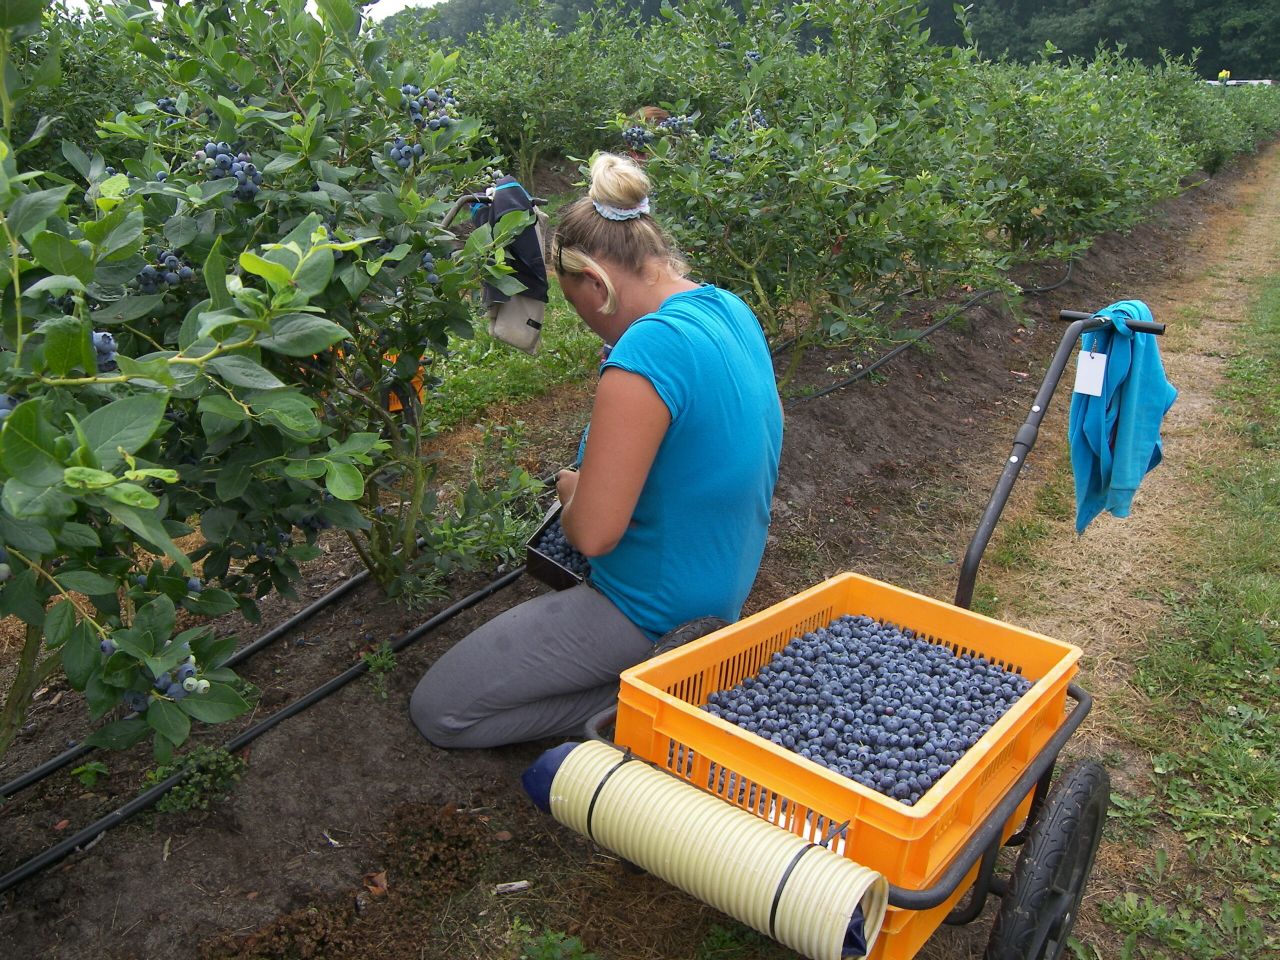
{"type": "Point", "coordinates": [872, 702]}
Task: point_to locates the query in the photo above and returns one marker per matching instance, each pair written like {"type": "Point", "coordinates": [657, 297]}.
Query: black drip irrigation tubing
{"type": "Point", "coordinates": [149, 797]}
{"type": "Point", "coordinates": [71, 755]}
{"type": "Point", "coordinates": [880, 362]}
{"type": "Point", "coordinates": [927, 332]}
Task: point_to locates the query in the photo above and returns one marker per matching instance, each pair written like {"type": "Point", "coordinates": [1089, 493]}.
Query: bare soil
{"type": "Point", "coordinates": [350, 836]}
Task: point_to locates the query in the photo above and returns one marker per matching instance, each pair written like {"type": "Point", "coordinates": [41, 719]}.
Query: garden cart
{"type": "Point", "coordinates": [807, 855]}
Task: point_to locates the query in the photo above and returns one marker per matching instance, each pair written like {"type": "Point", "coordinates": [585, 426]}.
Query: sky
{"type": "Point", "coordinates": [383, 8]}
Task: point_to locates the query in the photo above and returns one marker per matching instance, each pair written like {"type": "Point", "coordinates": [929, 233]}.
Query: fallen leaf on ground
{"type": "Point", "coordinates": [376, 883]}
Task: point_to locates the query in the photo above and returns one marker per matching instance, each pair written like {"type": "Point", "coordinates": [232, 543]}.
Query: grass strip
{"type": "Point", "coordinates": [1212, 674]}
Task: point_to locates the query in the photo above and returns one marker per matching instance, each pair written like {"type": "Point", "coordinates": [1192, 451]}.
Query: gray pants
{"type": "Point", "coordinates": [540, 669]}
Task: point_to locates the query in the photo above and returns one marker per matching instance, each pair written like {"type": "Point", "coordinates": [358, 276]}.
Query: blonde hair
{"type": "Point", "coordinates": [584, 235]}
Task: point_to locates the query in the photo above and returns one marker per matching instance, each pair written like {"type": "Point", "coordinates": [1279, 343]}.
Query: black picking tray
{"type": "Point", "coordinates": [542, 567]}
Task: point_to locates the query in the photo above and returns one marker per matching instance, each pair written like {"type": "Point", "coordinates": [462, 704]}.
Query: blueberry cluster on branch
{"type": "Point", "coordinates": [169, 269]}
{"type": "Point", "coordinates": [402, 153]}
{"type": "Point", "coordinates": [429, 265]}
{"type": "Point", "coordinates": [678, 126]}
{"type": "Point", "coordinates": [169, 106]}
{"type": "Point", "coordinates": [874, 703]}
{"type": "Point", "coordinates": [104, 346]}
{"type": "Point", "coordinates": [433, 109]}
{"type": "Point", "coordinates": [219, 162]}
{"type": "Point", "coordinates": [555, 545]}
{"type": "Point", "coordinates": [637, 137]}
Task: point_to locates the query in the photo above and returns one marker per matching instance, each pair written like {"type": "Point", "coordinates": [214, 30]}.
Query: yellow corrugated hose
{"type": "Point", "coordinates": [775, 882]}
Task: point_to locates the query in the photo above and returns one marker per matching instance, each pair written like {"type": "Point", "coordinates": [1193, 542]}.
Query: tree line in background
{"type": "Point", "coordinates": [1240, 35]}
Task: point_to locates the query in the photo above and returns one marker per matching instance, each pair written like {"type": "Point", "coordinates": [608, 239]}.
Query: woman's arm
{"type": "Point", "coordinates": [628, 422]}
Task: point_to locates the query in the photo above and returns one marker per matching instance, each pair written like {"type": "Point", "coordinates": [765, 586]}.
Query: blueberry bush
{"type": "Point", "coordinates": [544, 92]}
{"type": "Point", "coordinates": [219, 326]}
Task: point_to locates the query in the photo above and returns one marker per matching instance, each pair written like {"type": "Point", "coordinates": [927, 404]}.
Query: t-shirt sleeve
{"type": "Point", "coordinates": [653, 350]}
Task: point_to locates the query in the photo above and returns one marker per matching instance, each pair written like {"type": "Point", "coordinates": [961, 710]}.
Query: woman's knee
{"type": "Point", "coordinates": [433, 714]}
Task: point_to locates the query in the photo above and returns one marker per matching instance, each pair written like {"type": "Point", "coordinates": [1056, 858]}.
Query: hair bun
{"type": "Point", "coordinates": [618, 181]}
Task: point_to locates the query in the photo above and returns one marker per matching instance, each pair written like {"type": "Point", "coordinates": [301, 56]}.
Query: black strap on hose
{"type": "Point", "coordinates": [786, 875]}
{"type": "Point", "coordinates": [591, 807]}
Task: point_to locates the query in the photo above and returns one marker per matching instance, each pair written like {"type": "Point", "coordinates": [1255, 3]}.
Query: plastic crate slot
{"type": "Point", "coordinates": [995, 765]}
{"type": "Point", "coordinates": [689, 689]}
{"type": "Point", "coordinates": [680, 758]}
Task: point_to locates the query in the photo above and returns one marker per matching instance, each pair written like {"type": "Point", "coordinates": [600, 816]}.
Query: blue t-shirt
{"type": "Point", "coordinates": [696, 537]}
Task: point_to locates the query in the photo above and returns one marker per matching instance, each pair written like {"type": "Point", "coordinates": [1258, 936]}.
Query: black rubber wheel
{"type": "Point", "coordinates": [1040, 907]}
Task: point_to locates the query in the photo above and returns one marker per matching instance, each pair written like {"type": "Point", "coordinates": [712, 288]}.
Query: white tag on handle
{"type": "Point", "coordinates": [1089, 370]}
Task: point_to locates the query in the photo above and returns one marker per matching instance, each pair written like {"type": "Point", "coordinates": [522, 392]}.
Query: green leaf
{"type": "Point", "coordinates": [302, 335]}
{"type": "Point", "coordinates": [76, 157]}
{"type": "Point", "coordinates": [211, 602]}
{"type": "Point", "coordinates": [57, 254]}
{"type": "Point", "coordinates": [30, 538]}
{"type": "Point", "coordinates": [20, 598]}
{"type": "Point", "coordinates": [243, 372]}
{"type": "Point", "coordinates": [126, 309]}
{"type": "Point", "coordinates": [26, 446]}
{"type": "Point", "coordinates": [157, 617]}
{"type": "Point", "coordinates": [156, 370]}
{"type": "Point", "coordinates": [307, 469]}
{"type": "Point", "coordinates": [281, 163]}
{"type": "Point", "coordinates": [314, 273]}
{"type": "Point", "coordinates": [88, 478]}
{"type": "Point", "coordinates": [54, 285]}
{"type": "Point", "coordinates": [344, 481]}
{"type": "Point", "coordinates": [78, 536]}
{"type": "Point", "coordinates": [81, 655]}
{"type": "Point", "coordinates": [17, 13]}
{"type": "Point", "coordinates": [275, 274]}
{"type": "Point", "coordinates": [211, 651]}
{"type": "Point", "coordinates": [86, 582]}
{"type": "Point", "coordinates": [338, 16]}
{"type": "Point", "coordinates": [31, 210]}
{"type": "Point", "coordinates": [67, 346]}
{"type": "Point", "coordinates": [126, 234]}
{"type": "Point", "coordinates": [216, 523]}
{"type": "Point", "coordinates": [36, 502]}
{"type": "Point", "coordinates": [120, 735]}
{"type": "Point", "coordinates": [289, 411]}
{"type": "Point", "coordinates": [216, 705]}
{"type": "Point", "coordinates": [166, 719]}
{"type": "Point", "coordinates": [58, 624]}
{"type": "Point", "coordinates": [126, 424]}
{"type": "Point", "coordinates": [215, 277]}
{"type": "Point", "coordinates": [233, 480]}
{"type": "Point", "coordinates": [180, 230]}
{"type": "Point", "coordinates": [223, 406]}
{"type": "Point", "coordinates": [132, 495]}
{"type": "Point", "coordinates": [146, 525]}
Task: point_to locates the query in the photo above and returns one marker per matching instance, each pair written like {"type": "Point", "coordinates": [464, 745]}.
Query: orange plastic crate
{"type": "Point", "coordinates": [659, 719]}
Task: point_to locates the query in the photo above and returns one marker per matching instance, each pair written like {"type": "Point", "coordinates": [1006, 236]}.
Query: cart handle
{"type": "Point", "coordinates": [1138, 326]}
{"type": "Point", "coordinates": [1025, 439]}
{"type": "Point", "coordinates": [987, 834]}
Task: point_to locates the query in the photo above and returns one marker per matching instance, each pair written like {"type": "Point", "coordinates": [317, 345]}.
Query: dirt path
{"type": "Point", "coordinates": [1101, 590]}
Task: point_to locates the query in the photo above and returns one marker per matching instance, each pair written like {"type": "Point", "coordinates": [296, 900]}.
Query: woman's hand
{"type": "Point", "coordinates": [566, 484]}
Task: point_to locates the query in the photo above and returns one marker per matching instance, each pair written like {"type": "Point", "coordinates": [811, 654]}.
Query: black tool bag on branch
{"type": "Point", "coordinates": [516, 319]}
